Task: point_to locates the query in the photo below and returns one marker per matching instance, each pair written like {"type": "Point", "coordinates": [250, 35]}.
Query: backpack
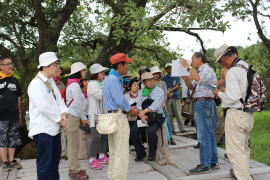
{"type": "Point", "coordinates": [255, 100]}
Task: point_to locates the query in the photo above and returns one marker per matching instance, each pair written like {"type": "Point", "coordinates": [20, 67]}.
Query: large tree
{"type": "Point", "coordinates": [125, 25]}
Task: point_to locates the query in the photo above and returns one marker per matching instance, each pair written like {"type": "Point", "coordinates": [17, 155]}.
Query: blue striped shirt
{"type": "Point", "coordinates": [157, 95]}
{"type": "Point", "coordinates": [113, 94]}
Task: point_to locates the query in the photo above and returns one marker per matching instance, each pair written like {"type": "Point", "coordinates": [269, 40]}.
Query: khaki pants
{"type": "Point", "coordinates": [73, 143]}
{"type": "Point", "coordinates": [238, 125]}
{"type": "Point", "coordinates": [119, 150]}
{"type": "Point", "coordinates": [85, 141]}
{"type": "Point", "coordinates": [174, 110]}
{"type": "Point", "coordinates": [163, 150]}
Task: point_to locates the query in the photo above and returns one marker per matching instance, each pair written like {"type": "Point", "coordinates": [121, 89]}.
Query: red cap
{"type": "Point", "coordinates": [120, 57]}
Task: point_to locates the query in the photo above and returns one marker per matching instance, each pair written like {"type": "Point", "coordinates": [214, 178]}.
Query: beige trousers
{"type": "Point", "coordinates": [174, 110]}
{"type": "Point", "coordinates": [85, 141]}
{"type": "Point", "coordinates": [119, 150]}
{"type": "Point", "coordinates": [73, 143]}
{"type": "Point", "coordinates": [238, 125]}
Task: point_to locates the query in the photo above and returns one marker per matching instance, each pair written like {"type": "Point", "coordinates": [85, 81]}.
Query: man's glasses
{"type": "Point", "coordinates": [8, 64]}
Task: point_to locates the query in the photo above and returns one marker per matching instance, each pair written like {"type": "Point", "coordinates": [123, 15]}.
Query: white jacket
{"type": "Point", "coordinates": [95, 101]}
{"type": "Point", "coordinates": [76, 107]}
{"type": "Point", "coordinates": [236, 87]}
{"type": "Point", "coordinates": [44, 110]}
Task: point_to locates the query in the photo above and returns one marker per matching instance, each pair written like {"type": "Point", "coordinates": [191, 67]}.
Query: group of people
{"type": "Point", "coordinates": [59, 113]}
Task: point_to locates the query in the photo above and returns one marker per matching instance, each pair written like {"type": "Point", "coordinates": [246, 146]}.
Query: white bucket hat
{"type": "Point", "coordinates": [97, 68]}
{"type": "Point", "coordinates": [155, 69]}
{"type": "Point", "coordinates": [47, 58]}
{"type": "Point", "coordinates": [77, 67]}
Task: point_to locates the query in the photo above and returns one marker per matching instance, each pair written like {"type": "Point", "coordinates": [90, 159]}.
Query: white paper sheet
{"type": "Point", "coordinates": [141, 124]}
{"type": "Point", "coordinates": [178, 69]}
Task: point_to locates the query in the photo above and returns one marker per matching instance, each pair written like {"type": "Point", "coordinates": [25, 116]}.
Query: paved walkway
{"type": "Point", "coordinates": [183, 157]}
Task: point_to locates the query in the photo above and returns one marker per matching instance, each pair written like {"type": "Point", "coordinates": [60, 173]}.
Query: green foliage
{"type": "Point", "coordinates": [258, 56]}
{"type": "Point", "coordinates": [260, 136]}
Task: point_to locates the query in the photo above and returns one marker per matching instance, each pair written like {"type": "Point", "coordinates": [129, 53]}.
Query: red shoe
{"type": "Point", "coordinates": [79, 175]}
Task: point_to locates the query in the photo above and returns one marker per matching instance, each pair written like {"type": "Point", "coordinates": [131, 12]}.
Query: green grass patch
{"type": "Point", "coordinates": [260, 138]}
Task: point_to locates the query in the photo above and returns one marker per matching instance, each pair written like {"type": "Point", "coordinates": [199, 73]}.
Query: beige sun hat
{"type": "Point", "coordinates": [147, 75]}
{"type": "Point", "coordinates": [77, 67]}
{"type": "Point", "coordinates": [47, 58]}
{"type": "Point", "coordinates": [221, 51]}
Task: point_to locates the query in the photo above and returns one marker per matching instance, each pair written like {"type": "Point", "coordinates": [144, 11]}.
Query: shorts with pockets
{"type": "Point", "coordinates": [9, 135]}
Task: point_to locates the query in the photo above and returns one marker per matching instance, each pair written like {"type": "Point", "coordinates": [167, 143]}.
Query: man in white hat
{"type": "Point", "coordinates": [47, 114]}
{"type": "Point", "coordinates": [174, 97]}
{"type": "Point", "coordinates": [238, 123]}
{"type": "Point", "coordinates": [76, 117]}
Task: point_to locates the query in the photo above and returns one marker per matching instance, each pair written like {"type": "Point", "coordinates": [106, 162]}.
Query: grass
{"type": "Point", "coordinates": [260, 138]}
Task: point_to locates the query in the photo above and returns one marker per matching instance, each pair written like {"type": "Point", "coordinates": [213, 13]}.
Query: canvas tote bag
{"type": "Point", "coordinates": [108, 123]}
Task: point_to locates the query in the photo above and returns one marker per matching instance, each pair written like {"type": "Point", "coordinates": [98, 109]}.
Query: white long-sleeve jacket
{"type": "Point", "coordinates": [236, 87]}
{"type": "Point", "coordinates": [44, 110]}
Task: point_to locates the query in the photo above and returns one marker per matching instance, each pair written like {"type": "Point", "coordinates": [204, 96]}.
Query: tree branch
{"type": "Point", "coordinates": [198, 38]}
{"type": "Point", "coordinates": [183, 29]}
{"type": "Point", "coordinates": [160, 60]}
{"type": "Point", "coordinates": [39, 15]}
{"type": "Point", "coordinates": [6, 37]}
{"type": "Point", "coordinates": [65, 14]}
{"type": "Point", "coordinates": [166, 10]}
{"type": "Point", "coordinates": [264, 39]}
{"type": "Point", "coordinates": [189, 32]}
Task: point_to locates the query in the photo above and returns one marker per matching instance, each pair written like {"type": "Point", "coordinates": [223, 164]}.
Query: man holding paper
{"type": "Point", "coordinates": [204, 109]}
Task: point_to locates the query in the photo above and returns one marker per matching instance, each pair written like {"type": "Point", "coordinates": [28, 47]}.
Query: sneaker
{"type": "Point", "coordinates": [15, 164]}
{"type": "Point", "coordinates": [214, 166]}
{"type": "Point", "coordinates": [200, 170]}
{"type": "Point", "coordinates": [7, 166]}
{"type": "Point", "coordinates": [95, 164]}
{"type": "Point", "coordinates": [173, 142]}
{"type": "Point", "coordinates": [103, 160]}
{"type": "Point", "coordinates": [78, 176]}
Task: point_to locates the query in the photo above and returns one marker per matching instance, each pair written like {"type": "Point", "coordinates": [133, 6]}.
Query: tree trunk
{"type": "Point", "coordinates": [110, 48]}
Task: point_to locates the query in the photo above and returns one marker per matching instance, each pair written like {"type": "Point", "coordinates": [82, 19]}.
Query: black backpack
{"type": "Point", "coordinates": [153, 117]}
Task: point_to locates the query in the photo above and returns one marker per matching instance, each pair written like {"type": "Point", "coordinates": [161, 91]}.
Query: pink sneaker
{"type": "Point", "coordinates": [104, 160]}
{"type": "Point", "coordinates": [95, 164]}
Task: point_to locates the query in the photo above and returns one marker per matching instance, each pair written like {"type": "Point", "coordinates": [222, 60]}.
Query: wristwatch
{"type": "Point", "coordinates": [189, 68]}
